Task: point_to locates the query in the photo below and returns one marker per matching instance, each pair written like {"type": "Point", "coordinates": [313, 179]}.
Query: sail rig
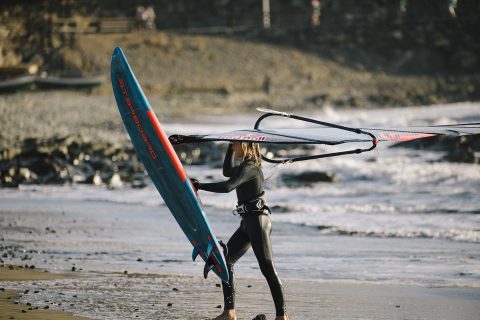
{"type": "Point", "coordinates": [327, 134]}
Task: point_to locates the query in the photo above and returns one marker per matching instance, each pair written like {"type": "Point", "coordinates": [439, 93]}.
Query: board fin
{"type": "Point", "coordinates": [208, 266]}
{"type": "Point", "coordinates": [195, 253]}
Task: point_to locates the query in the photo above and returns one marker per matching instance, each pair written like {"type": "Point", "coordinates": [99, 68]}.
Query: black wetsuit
{"type": "Point", "coordinates": [255, 228]}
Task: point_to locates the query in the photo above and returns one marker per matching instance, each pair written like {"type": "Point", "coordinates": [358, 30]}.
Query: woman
{"type": "Point", "coordinates": [255, 227]}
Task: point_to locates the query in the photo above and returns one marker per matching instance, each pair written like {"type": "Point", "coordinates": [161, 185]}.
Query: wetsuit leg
{"type": "Point", "coordinates": [237, 246]}
{"type": "Point", "coordinates": [258, 229]}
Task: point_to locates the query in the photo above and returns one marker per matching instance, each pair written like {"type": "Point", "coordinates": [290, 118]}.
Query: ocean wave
{"type": "Point", "coordinates": [455, 235]}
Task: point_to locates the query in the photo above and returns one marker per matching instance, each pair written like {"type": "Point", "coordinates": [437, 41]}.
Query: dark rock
{"type": "Point", "coordinates": [319, 100]}
{"type": "Point", "coordinates": [307, 178]}
{"type": "Point", "coordinates": [139, 184]}
{"type": "Point", "coordinates": [279, 209]}
{"type": "Point", "coordinates": [169, 304]}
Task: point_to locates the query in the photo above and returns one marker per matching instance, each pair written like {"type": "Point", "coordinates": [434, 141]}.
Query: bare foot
{"type": "Point", "coordinates": [285, 317]}
{"type": "Point", "coordinates": [227, 315]}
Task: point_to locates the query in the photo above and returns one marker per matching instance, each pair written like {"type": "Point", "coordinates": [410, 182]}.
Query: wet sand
{"type": "Point", "coordinates": [168, 296]}
{"type": "Point", "coordinates": [9, 309]}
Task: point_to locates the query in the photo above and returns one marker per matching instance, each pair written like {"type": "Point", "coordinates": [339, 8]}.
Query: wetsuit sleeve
{"type": "Point", "coordinates": [229, 162]}
{"type": "Point", "coordinates": [235, 180]}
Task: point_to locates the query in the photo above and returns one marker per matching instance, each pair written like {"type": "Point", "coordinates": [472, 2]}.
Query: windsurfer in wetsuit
{"type": "Point", "coordinates": [255, 228]}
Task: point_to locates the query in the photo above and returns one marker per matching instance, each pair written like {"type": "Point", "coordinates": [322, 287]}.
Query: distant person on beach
{"type": "Point", "coordinates": [255, 227]}
{"type": "Point", "coordinates": [315, 13]}
{"type": "Point", "coordinates": [149, 18]}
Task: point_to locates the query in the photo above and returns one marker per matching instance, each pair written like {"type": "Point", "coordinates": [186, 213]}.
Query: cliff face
{"type": "Point", "coordinates": [433, 27]}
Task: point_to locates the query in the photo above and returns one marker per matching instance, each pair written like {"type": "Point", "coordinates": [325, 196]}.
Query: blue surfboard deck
{"type": "Point", "coordinates": [162, 164]}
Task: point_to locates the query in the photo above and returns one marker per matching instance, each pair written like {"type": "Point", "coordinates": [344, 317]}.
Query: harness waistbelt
{"type": "Point", "coordinates": [257, 205]}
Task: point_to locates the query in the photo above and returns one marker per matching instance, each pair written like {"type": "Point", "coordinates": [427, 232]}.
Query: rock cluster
{"type": "Point", "coordinates": [76, 159]}
{"type": "Point", "coordinates": [307, 178]}
{"type": "Point", "coordinates": [70, 159]}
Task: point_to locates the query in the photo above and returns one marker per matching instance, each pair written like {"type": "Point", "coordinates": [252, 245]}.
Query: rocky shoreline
{"type": "Point", "coordinates": [76, 159]}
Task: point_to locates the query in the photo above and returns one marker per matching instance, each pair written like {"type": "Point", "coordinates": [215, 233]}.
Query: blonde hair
{"type": "Point", "coordinates": [251, 151]}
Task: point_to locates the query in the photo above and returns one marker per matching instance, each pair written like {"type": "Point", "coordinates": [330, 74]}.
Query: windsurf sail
{"type": "Point", "coordinates": [327, 134]}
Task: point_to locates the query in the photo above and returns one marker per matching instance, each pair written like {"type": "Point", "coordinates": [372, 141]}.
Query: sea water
{"type": "Point", "coordinates": [394, 215]}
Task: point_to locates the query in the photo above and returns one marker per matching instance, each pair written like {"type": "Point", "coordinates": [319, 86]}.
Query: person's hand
{"type": "Point", "coordinates": [175, 139]}
{"type": "Point", "coordinates": [194, 183]}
